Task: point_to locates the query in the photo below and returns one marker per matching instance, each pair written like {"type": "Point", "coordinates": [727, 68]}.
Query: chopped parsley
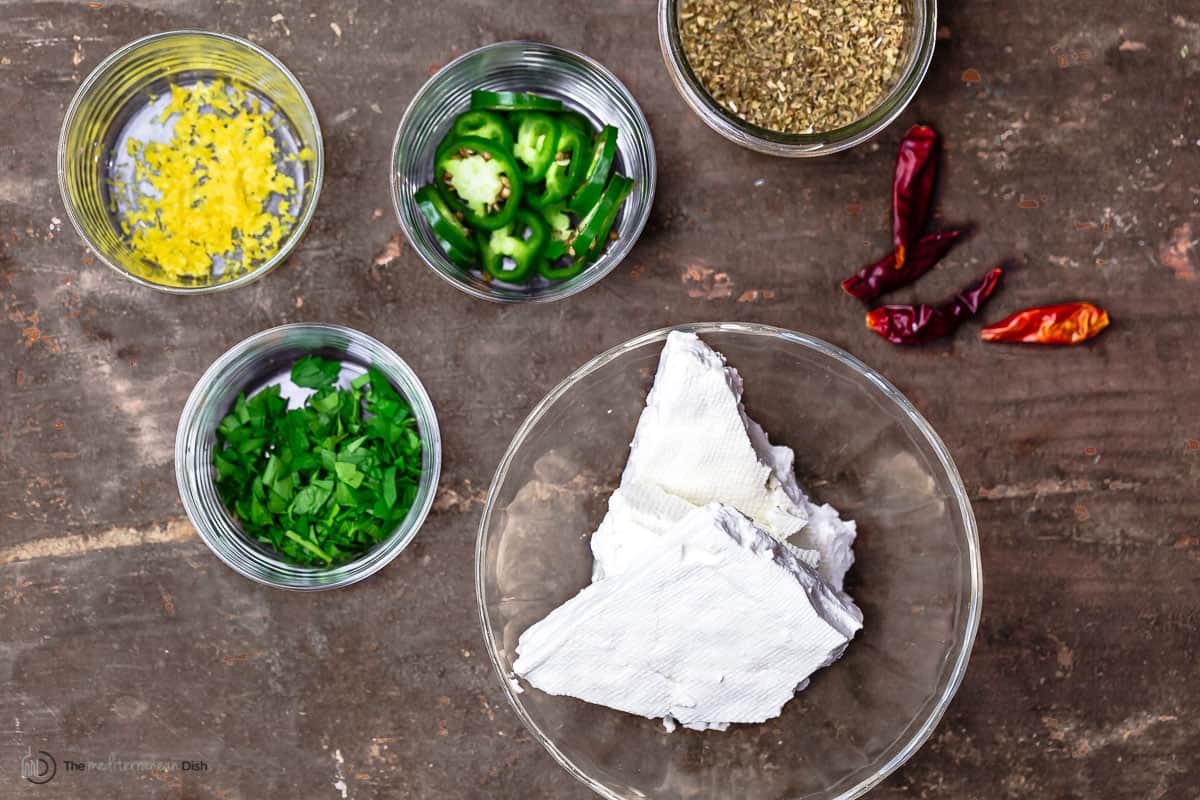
{"type": "Point", "coordinates": [323, 483]}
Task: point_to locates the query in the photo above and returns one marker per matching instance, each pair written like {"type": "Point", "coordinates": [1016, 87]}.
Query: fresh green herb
{"type": "Point", "coordinates": [313, 373]}
{"type": "Point", "coordinates": [323, 483]}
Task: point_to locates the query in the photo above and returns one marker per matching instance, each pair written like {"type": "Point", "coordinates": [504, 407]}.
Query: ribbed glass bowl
{"type": "Point", "coordinates": [583, 85]}
{"type": "Point", "coordinates": [917, 56]}
{"type": "Point", "coordinates": [253, 364]}
{"type": "Point", "coordinates": [859, 445]}
{"type": "Point", "coordinates": [121, 99]}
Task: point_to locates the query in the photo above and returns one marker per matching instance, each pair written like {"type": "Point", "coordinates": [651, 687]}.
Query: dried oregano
{"type": "Point", "coordinates": [796, 66]}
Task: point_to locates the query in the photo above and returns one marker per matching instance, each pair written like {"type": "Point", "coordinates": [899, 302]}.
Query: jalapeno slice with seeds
{"type": "Point", "coordinates": [559, 231]}
{"type": "Point", "coordinates": [534, 148]}
{"type": "Point", "coordinates": [479, 178]}
{"type": "Point", "coordinates": [566, 171]}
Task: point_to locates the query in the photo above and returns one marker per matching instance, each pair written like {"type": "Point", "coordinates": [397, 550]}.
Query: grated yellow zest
{"type": "Point", "coordinates": [212, 185]}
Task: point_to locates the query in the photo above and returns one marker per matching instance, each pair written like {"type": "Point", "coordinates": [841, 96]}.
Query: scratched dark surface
{"type": "Point", "coordinates": [1074, 145]}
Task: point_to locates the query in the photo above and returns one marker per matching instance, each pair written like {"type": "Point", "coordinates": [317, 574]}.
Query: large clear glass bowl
{"type": "Point", "coordinates": [859, 445]}
{"type": "Point", "coordinates": [583, 85]}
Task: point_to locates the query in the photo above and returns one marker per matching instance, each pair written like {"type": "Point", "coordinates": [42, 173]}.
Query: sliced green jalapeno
{"type": "Point", "coordinates": [485, 125]}
{"type": "Point", "coordinates": [537, 136]}
{"type": "Point", "coordinates": [552, 271]}
{"type": "Point", "coordinates": [523, 186]}
{"type": "Point", "coordinates": [566, 171]}
{"type": "Point", "coordinates": [479, 178]}
{"type": "Point", "coordinates": [559, 231]}
{"type": "Point", "coordinates": [452, 236]}
{"type": "Point", "coordinates": [458, 257]}
{"type": "Point", "coordinates": [604, 153]}
{"type": "Point", "coordinates": [595, 226]}
{"type": "Point", "coordinates": [520, 241]}
{"type": "Point", "coordinates": [512, 101]}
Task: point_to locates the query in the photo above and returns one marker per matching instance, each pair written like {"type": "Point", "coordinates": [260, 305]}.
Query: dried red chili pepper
{"type": "Point", "coordinates": [1066, 323]}
{"type": "Point", "coordinates": [885, 275]}
{"type": "Point", "coordinates": [923, 323]}
{"type": "Point", "coordinates": [912, 187]}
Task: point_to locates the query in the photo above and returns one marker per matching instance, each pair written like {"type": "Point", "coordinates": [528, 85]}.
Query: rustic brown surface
{"type": "Point", "coordinates": [1074, 145]}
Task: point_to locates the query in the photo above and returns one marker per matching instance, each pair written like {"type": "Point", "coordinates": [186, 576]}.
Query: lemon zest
{"type": "Point", "coordinates": [212, 185]}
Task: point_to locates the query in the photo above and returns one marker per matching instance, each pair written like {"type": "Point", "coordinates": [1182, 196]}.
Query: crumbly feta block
{"type": "Point", "coordinates": [694, 445]}
{"type": "Point", "coordinates": [824, 529]}
{"type": "Point", "coordinates": [717, 624]}
{"type": "Point", "coordinates": [692, 440]}
{"type": "Point", "coordinates": [638, 515]}
{"type": "Point", "coordinates": [830, 536]}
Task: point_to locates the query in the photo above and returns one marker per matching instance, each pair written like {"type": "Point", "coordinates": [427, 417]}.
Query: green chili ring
{"type": "Point", "coordinates": [479, 178]}
{"type": "Point", "coordinates": [512, 101]}
{"type": "Point", "coordinates": [442, 221]}
{"type": "Point", "coordinates": [521, 240]}
{"type": "Point", "coordinates": [484, 125]}
{"type": "Point", "coordinates": [594, 228]}
{"type": "Point", "coordinates": [596, 177]}
{"type": "Point", "coordinates": [534, 146]}
{"type": "Point", "coordinates": [566, 171]}
{"type": "Point", "coordinates": [550, 272]}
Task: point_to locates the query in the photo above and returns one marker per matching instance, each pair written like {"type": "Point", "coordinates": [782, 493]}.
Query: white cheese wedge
{"type": "Point", "coordinates": [638, 515]}
{"type": "Point", "coordinates": [694, 445]}
{"type": "Point", "coordinates": [694, 440]}
{"type": "Point", "coordinates": [719, 623]}
{"type": "Point", "coordinates": [830, 536]}
{"type": "Point", "coordinates": [824, 531]}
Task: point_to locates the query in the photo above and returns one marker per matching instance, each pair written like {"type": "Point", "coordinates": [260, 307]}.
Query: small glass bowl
{"type": "Point", "coordinates": [119, 100]}
{"type": "Point", "coordinates": [800, 145]}
{"type": "Point", "coordinates": [583, 85]}
{"type": "Point", "coordinates": [264, 359]}
{"type": "Point", "coordinates": [861, 446]}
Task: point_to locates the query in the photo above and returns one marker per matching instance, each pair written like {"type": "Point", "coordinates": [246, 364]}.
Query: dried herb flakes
{"type": "Point", "coordinates": [796, 67]}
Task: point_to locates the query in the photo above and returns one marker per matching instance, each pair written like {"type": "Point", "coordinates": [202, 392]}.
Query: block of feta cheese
{"type": "Point", "coordinates": [638, 515]}
{"type": "Point", "coordinates": [719, 623]}
{"type": "Point", "coordinates": [830, 536]}
{"type": "Point", "coordinates": [695, 444]}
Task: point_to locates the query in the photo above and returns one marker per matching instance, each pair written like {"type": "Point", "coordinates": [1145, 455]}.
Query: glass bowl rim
{"type": "Point", "coordinates": [793, 145]}
{"type": "Point", "coordinates": [317, 145]}
{"type": "Point", "coordinates": [626, 243]}
{"type": "Point", "coordinates": [375, 559]}
{"type": "Point", "coordinates": [945, 460]}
